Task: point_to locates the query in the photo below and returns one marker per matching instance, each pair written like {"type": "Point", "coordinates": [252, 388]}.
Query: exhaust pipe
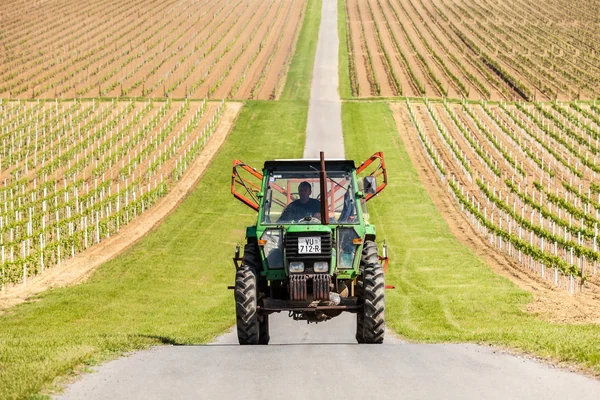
{"type": "Point", "coordinates": [324, 199]}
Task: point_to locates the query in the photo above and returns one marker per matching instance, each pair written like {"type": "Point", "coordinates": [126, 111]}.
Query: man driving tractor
{"type": "Point", "coordinates": [304, 207]}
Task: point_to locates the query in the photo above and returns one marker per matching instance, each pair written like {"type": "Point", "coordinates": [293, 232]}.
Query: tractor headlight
{"type": "Point", "coordinates": [348, 241]}
{"type": "Point", "coordinates": [272, 240]}
{"type": "Point", "coordinates": [321, 266]}
{"type": "Point", "coordinates": [296, 266]}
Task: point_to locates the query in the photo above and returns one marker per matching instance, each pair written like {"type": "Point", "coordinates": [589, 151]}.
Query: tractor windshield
{"type": "Point", "coordinates": [295, 198]}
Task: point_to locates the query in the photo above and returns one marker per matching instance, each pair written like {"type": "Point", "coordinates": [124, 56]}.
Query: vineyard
{"type": "Point", "coordinates": [525, 175]}
{"type": "Point", "coordinates": [74, 172]}
{"type": "Point", "coordinates": [474, 49]}
{"type": "Point", "coordinates": [145, 48]}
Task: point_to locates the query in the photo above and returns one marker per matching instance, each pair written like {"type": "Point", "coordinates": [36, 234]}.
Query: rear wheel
{"type": "Point", "coordinates": [370, 321]}
{"type": "Point", "coordinates": [360, 337]}
{"type": "Point", "coordinates": [246, 295]}
{"type": "Point", "coordinates": [263, 329]}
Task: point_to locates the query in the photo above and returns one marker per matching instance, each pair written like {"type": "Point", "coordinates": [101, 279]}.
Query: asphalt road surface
{"type": "Point", "coordinates": [323, 361]}
{"type": "Point", "coordinates": [324, 125]}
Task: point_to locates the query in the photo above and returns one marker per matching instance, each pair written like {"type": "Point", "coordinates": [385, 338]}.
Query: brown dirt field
{"type": "Point", "coordinates": [275, 72]}
{"type": "Point", "coordinates": [413, 34]}
{"type": "Point", "coordinates": [549, 303]}
{"type": "Point", "coordinates": [536, 50]}
{"type": "Point", "coordinates": [360, 34]}
{"type": "Point", "coordinates": [424, 30]}
{"type": "Point", "coordinates": [380, 67]}
{"type": "Point", "coordinates": [273, 88]}
{"type": "Point", "coordinates": [359, 52]}
{"type": "Point", "coordinates": [259, 67]}
{"type": "Point", "coordinates": [140, 48]}
{"type": "Point", "coordinates": [406, 86]}
{"type": "Point", "coordinates": [430, 22]}
{"type": "Point", "coordinates": [415, 64]}
{"type": "Point", "coordinates": [78, 269]}
{"type": "Point", "coordinates": [263, 30]}
{"type": "Point", "coordinates": [240, 30]}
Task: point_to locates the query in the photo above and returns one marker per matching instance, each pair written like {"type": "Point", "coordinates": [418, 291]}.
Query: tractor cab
{"type": "Point", "coordinates": [293, 193]}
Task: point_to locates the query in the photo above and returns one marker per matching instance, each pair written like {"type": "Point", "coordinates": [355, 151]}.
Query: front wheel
{"type": "Point", "coordinates": [370, 322]}
{"type": "Point", "coordinates": [246, 315]}
{"type": "Point", "coordinates": [246, 297]}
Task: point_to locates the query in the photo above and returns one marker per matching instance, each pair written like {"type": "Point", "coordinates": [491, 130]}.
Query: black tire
{"type": "Point", "coordinates": [263, 329]}
{"type": "Point", "coordinates": [246, 296]}
{"type": "Point", "coordinates": [360, 337]}
{"type": "Point", "coordinates": [370, 321]}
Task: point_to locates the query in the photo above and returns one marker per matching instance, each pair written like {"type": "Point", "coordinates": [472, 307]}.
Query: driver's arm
{"type": "Point", "coordinates": [286, 215]}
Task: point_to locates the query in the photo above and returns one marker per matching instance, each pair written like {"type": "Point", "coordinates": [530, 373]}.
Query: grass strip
{"type": "Point", "coordinates": [345, 65]}
{"type": "Point", "coordinates": [171, 287]}
{"type": "Point", "coordinates": [299, 77]}
{"type": "Point", "coordinates": [444, 293]}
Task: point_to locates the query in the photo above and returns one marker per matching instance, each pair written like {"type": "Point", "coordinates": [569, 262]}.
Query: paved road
{"type": "Point", "coordinates": [322, 361]}
{"type": "Point", "coordinates": [324, 126]}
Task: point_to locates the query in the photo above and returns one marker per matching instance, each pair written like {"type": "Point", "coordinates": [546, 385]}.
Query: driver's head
{"type": "Point", "coordinates": [304, 190]}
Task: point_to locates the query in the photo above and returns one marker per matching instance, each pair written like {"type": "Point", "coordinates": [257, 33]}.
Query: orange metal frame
{"type": "Point", "coordinates": [381, 170]}
{"type": "Point", "coordinates": [251, 187]}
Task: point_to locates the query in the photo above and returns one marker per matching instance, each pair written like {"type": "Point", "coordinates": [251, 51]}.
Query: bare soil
{"type": "Point", "coordinates": [81, 267]}
{"type": "Point", "coordinates": [148, 48]}
{"type": "Point", "coordinates": [520, 38]}
{"type": "Point", "coordinates": [549, 303]}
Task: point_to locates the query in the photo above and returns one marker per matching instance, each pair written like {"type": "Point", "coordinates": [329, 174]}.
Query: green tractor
{"type": "Point", "coordinates": [312, 251]}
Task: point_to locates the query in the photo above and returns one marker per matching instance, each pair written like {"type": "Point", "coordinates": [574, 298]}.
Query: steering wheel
{"type": "Point", "coordinates": [309, 218]}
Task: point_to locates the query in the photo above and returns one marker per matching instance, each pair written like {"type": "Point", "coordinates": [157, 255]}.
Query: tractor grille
{"type": "Point", "coordinates": [291, 247]}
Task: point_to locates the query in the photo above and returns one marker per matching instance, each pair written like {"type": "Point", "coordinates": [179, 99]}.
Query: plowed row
{"type": "Point", "coordinates": [74, 173]}
{"type": "Point", "coordinates": [475, 49]}
{"type": "Point", "coordinates": [526, 176]}
{"type": "Point", "coordinates": [200, 49]}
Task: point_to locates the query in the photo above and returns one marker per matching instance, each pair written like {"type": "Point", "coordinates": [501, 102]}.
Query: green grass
{"type": "Point", "coordinates": [171, 287]}
{"type": "Point", "coordinates": [444, 293]}
{"type": "Point", "coordinates": [343, 57]}
{"type": "Point", "coordinates": [297, 86]}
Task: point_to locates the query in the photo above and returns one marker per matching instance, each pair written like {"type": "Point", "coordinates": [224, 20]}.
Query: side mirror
{"type": "Point", "coordinates": [370, 185]}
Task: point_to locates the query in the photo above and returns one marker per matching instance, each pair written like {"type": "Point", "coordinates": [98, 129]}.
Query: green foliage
{"type": "Point", "coordinates": [388, 62]}
{"type": "Point", "coordinates": [348, 81]}
{"type": "Point", "coordinates": [425, 142]}
{"type": "Point", "coordinates": [509, 133]}
{"type": "Point", "coordinates": [299, 76]}
{"type": "Point", "coordinates": [493, 140]}
{"type": "Point", "coordinates": [476, 146]}
{"type": "Point", "coordinates": [451, 143]}
{"type": "Point", "coordinates": [549, 149]}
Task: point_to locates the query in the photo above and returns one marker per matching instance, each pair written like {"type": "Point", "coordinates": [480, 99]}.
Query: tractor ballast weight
{"type": "Point", "coordinates": [312, 252]}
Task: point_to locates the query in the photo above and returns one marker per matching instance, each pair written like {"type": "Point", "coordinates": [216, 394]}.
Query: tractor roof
{"type": "Point", "coordinates": [310, 163]}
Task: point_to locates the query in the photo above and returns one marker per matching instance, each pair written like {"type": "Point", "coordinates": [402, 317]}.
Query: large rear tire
{"type": "Point", "coordinates": [370, 321]}
{"type": "Point", "coordinates": [263, 330]}
{"type": "Point", "coordinates": [360, 322]}
{"type": "Point", "coordinates": [246, 297]}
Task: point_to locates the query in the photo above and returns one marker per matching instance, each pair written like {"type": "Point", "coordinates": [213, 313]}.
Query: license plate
{"type": "Point", "coordinates": [309, 245]}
